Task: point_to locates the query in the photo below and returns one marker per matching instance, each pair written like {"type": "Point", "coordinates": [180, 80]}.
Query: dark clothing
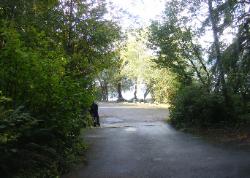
{"type": "Point", "coordinates": [94, 113]}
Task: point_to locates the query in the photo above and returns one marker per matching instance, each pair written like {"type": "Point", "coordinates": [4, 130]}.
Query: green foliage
{"type": "Point", "coordinates": [213, 91]}
{"type": "Point", "coordinates": [163, 88]}
{"type": "Point", "coordinates": [138, 66]}
{"type": "Point", "coordinates": [49, 58]}
{"type": "Point", "coordinates": [193, 106]}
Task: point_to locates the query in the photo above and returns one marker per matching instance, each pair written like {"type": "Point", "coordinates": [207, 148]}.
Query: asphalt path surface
{"type": "Point", "coordinates": [134, 141]}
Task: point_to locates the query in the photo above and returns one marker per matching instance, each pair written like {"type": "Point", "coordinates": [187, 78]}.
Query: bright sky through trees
{"type": "Point", "coordinates": [134, 14]}
{"type": "Point", "coordinates": [140, 11]}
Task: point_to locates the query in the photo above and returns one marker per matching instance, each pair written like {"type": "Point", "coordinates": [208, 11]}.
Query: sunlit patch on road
{"type": "Point", "coordinates": [111, 120]}
{"type": "Point", "coordinates": [130, 129]}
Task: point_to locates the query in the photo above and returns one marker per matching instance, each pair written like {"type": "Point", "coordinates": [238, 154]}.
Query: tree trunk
{"type": "Point", "coordinates": [119, 91]}
{"type": "Point", "coordinates": [106, 93]}
{"type": "Point", "coordinates": [197, 71]}
{"type": "Point", "coordinates": [103, 93]}
{"type": "Point", "coordinates": [146, 93]}
{"type": "Point", "coordinates": [197, 54]}
{"type": "Point", "coordinates": [104, 90]}
{"type": "Point", "coordinates": [70, 29]}
{"type": "Point", "coordinates": [218, 51]}
{"type": "Point", "coordinates": [135, 92]}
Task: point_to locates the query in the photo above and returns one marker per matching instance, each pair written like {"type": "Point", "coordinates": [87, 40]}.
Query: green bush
{"type": "Point", "coordinates": [47, 74]}
{"type": "Point", "coordinates": [29, 149]}
{"type": "Point", "coordinates": [41, 124]}
{"type": "Point", "coordinates": [193, 106]}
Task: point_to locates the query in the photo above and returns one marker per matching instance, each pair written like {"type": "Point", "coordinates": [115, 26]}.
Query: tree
{"type": "Point", "coordinates": [138, 66]}
{"type": "Point", "coordinates": [211, 74]}
{"type": "Point", "coordinates": [220, 17]}
{"type": "Point", "coordinates": [176, 49]}
{"type": "Point", "coordinates": [133, 58]}
{"type": "Point", "coordinates": [50, 55]}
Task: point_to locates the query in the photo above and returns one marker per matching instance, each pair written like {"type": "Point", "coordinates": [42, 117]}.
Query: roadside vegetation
{"type": "Point", "coordinates": [50, 55]}
{"type": "Point", "coordinates": [196, 58]}
{"type": "Point", "coordinates": [214, 78]}
{"type": "Point", "coordinates": [57, 57]}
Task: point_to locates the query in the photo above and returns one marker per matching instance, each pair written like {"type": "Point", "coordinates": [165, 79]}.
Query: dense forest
{"type": "Point", "coordinates": [58, 56]}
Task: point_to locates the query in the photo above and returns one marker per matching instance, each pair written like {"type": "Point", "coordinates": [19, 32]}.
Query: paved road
{"type": "Point", "coordinates": [135, 142]}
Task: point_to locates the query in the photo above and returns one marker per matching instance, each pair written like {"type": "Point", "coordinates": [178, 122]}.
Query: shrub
{"type": "Point", "coordinates": [193, 106]}
{"type": "Point", "coordinates": [29, 149]}
{"type": "Point", "coordinates": [41, 126]}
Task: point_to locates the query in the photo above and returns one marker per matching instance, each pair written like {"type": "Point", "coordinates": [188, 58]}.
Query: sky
{"type": "Point", "coordinates": [139, 12]}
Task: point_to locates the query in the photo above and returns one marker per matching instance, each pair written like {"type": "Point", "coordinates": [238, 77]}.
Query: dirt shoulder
{"type": "Point", "coordinates": [238, 138]}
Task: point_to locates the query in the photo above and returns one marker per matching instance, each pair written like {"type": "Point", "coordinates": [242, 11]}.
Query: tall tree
{"type": "Point", "coordinates": [220, 65]}
{"type": "Point", "coordinates": [50, 55]}
{"type": "Point", "coordinates": [176, 48]}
